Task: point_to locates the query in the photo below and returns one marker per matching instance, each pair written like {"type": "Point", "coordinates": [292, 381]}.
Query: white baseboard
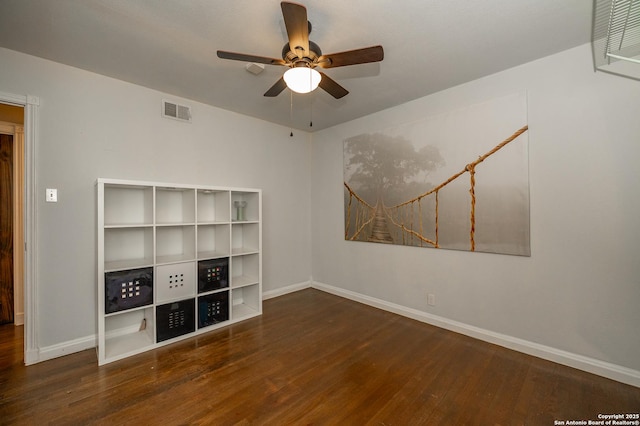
{"type": "Point", "coordinates": [65, 348]}
{"type": "Point", "coordinates": [18, 319]}
{"type": "Point", "coordinates": [285, 290]}
{"type": "Point", "coordinates": [591, 365]}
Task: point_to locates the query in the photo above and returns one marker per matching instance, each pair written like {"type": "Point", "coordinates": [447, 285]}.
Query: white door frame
{"type": "Point", "coordinates": [30, 104]}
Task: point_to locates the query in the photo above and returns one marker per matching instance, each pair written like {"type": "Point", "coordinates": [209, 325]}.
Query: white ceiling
{"type": "Point", "coordinates": [170, 46]}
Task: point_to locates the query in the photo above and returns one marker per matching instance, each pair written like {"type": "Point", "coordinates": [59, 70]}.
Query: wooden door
{"type": "Point", "coordinates": [6, 229]}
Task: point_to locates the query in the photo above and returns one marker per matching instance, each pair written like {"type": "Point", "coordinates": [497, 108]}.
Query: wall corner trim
{"type": "Point", "coordinates": [590, 365]}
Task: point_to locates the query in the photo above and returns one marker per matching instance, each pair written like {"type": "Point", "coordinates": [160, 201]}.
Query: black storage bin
{"type": "Point", "coordinates": [128, 289]}
{"type": "Point", "coordinates": [213, 308]}
{"type": "Point", "coordinates": [213, 274]}
{"type": "Point", "coordinates": [175, 319]}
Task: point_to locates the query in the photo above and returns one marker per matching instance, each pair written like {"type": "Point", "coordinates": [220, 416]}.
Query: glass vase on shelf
{"type": "Point", "coordinates": [240, 206]}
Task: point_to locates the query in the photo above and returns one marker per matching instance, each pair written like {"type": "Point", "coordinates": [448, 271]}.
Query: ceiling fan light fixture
{"type": "Point", "coordinates": [302, 79]}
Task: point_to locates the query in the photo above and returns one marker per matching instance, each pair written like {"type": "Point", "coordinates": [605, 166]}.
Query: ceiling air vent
{"type": "Point", "coordinates": [175, 111]}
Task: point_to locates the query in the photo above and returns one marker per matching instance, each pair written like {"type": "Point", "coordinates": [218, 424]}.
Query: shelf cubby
{"type": "Point", "coordinates": [128, 205]}
{"type": "Point", "coordinates": [213, 308]}
{"type": "Point", "coordinates": [213, 206]}
{"type": "Point", "coordinates": [175, 243]}
{"type": "Point", "coordinates": [251, 209]}
{"type": "Point", "coordinates": [128, 333]}
{"type": "Point", "coordinates": [213, 241]}
{"type": "Point", "coordinates": [245, 270]}
{"type": "Point", "coordinates": [128, 289]}
{"type": "Point", "coordinates": [245, 238]}
{"type": "Point", "coordinates": [245, 302]}
{"type": "Point", "coordinates": [175, 205]}
{"type": "Point", "coordinates": [175, 319]}
{"type": "Point", "coordinates": [175, 281]}
{"type": "Point", "coordinates": [213, 274]}
{"type": "Point", "coordinates": [126, 248]}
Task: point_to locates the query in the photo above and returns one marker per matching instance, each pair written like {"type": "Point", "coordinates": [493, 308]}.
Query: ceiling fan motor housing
{"type": "Point", "coordinates": [311, 59]}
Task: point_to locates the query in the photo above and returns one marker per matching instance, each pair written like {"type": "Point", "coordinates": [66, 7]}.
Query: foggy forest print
{"type": "Point", "coordinates": [458, 180]}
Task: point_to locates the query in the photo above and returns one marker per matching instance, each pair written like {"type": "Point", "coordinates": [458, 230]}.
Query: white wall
{"type": "Point", "coordinates": [579, 290]}
{"type": "Point", "coordinates": [92, 126]}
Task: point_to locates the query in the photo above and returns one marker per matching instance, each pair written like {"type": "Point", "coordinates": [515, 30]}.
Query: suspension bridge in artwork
{"type": "Point", "coordinates": [373, 222]}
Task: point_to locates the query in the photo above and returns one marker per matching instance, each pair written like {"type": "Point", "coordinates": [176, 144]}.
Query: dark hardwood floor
{"type": "Point", "coordinates": [312, 358]}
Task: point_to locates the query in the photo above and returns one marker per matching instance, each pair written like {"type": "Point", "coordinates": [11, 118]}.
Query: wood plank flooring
{"type": "Point", "coordinates": [312, 358]}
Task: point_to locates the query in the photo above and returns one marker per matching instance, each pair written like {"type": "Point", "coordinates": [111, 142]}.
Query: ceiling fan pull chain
{"type": "Point", "coordinates": [291, 113]}
{"type": "Point", "coordinates": [311, 102]}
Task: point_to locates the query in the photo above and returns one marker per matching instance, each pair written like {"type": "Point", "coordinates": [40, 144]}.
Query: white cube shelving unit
{"type": "Point", "coordinates": [157, 242]}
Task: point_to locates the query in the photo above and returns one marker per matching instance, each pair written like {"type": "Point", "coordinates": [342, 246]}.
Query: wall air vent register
{"type": "Point", "coordinates": [175, 111]}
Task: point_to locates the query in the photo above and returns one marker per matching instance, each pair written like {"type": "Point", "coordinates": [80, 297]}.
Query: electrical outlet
{"type": "Point", "coordinates": [431, 299]}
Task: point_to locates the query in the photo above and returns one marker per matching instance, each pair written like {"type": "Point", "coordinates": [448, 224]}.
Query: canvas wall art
{"type": "Point", "coordinates": [458, 180]}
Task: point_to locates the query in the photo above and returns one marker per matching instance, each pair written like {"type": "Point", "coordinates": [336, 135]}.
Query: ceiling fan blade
{"type": "Point", "coordinates": [276, 89]}
{"type": "Point", "coordinates": [331, 87]}
{"type": "Point", "coordinates": [352, 57]}
{"type": "Point", "coordinates": [295, 19]}
{"type": "Point", "coordinates": [249, 58]}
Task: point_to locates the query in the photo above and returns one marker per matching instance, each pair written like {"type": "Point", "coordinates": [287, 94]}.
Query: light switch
{"type": "Point", "coordinates": [52, 195]}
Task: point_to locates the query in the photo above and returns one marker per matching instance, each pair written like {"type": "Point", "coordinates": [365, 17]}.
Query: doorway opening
{"type": "Point", "coordinates": [12, 208]}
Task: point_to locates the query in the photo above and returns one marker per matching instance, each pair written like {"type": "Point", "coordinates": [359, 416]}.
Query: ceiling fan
{"type": "Point", "coordinates": [302, 56]}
